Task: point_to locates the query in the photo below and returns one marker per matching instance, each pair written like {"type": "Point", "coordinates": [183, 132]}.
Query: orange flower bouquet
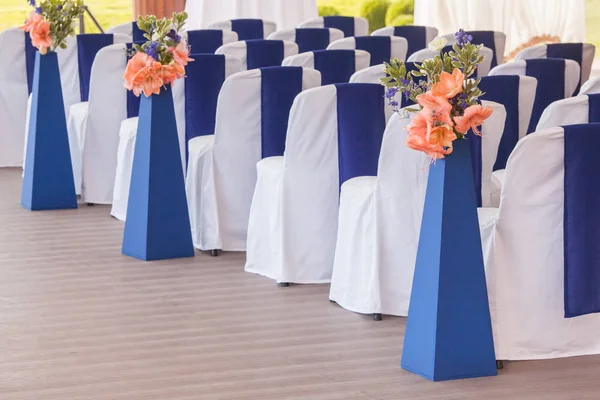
{"type": "Point", "coordinates": [162, 59]}
{"type": "Point", "coordinates": [447, 101]}
{"type": "Point", "coordinates": [52, 22]}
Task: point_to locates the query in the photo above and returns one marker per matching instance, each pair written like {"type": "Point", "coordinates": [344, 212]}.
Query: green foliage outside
{"type": "Point", "coordinates": [374, 11]}
{"type": "Point", "coordinates": [397, 9]}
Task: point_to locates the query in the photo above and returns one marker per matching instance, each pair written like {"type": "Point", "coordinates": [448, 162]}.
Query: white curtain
{"type": "Point", "coordinates": [521, 20]}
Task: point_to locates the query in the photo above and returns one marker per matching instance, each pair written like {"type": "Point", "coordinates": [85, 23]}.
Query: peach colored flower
{"type": "Point", "coordinates": [441, 137]}
{"type": "Point", "coordinates": [149, 79]}
{"type": "Point", "coordinates": [449, 85]}
{"type": "Point", "coordinates": [134, 66]}
{"type": "Point", "coordinates": [181, 53]}
{"type": "Point", "coordinates": [172, 72]}
{"type": "Point", "coordinates": [474, 116]}
{"type": "Point", "coordinates": [40, 36]}
{"type": "Point", "coordinates": [33, 20]}
{"type": "Point", "coordinates": [432, 101]}
{"type": "Point", "coordinates": [429, 136]}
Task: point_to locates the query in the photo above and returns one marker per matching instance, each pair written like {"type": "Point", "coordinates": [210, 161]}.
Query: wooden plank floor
{"type": "Point", "coordinates": [78, 321]}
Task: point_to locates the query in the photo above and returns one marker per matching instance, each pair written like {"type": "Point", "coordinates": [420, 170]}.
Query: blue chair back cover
{"type": "Point", "coordinates": [581, 220]}
{"type": "Point", "coordinates": [361, 123]}
{"type": "Point", "coordinates": [137, 34]}
{"type": "Point", "coordinates": [248, 29]}
{"type": "Point", "coordinates": [279, 88]}
{"type": "Point", "coordinates": [569, 51]}
{"type": "Point", "coordinates": [487, 39]}
{"type": "Point", "coordinates": [335, 66]}
{"type": "Point", "coordinates": [594, 107]}
{"type": "Point", "coordinates": [264, 53]}
{"type": "Point", "coordinates": [309, 39]}
{"type": "Point", "coordinates": [88, 45]}
{"type": "Point", "coordinates": [29, 60]}
{"type": "Point", "coordinates": [415, 35]}
{"type": "Point", "coordinates": [205, 41]}
{"type": "Point", "coordinates": [550, 74]}
{"type": "Point", "coordinates": [380, 47]}
{"type": "Point", "coordinates": [133, 102]}
{"type": "Point", "coordinates": [344, 24]}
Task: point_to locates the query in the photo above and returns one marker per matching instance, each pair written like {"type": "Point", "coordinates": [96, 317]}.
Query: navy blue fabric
{"type": "Point", "coordinates": [87, 47]}
{"type": "Point", "coordinates": [581, 220]}
{"type": "Point", "coordinates": [335, 66]}
{"type": "Point", "coordinates": [569, 51]}
{"type": "Point", "coordinates": [205, 41]}
{"type": "Point", "coordinates": [594, 107]}
{"type": "Point", "coordinates": [205, 77]}
{"type": "Point", "coordinates": [415, 35]}
{"type": "Point", "coordinates": [248, 29]}
{"type": "Point", "coordinates": [476, 162]}
{"type": "Point", "coordinates": [411, 66]}
{"type": "Point", "coordinates": [550, 74]}
{"type": "Point", "coordinates": [309, 39]}
{"type": "Point", "coordinates": [485, 38]}
{"type": "Point", "coordinates": [380, 48]}
{"type": "Point", "coordinates": [133, 102]}
{"type": "Point", "coordinates": [264, 53]}
{"type": "Point", "coordinates": [361, 123]}
{"type": "Point", "coordinates": [504, 90]}
{"type": "Point", "coordinates": [137, 34]}
{"type": "Point", "coordinates": [279, 88]}
{"type": "Point", "coordinates": [29, 60]}
{"type": "Point", "coordinates": [344, 24]}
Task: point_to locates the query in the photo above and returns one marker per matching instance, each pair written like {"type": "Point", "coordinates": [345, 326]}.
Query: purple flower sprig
{"type": "Point", "coordinates": [152, 50]}
{"type": "Point", "coordinates": [174, 36]}
{"type": "Point", "coordinates": [462, 37]}
{"type": "Point", "coordinates": [31, 3]}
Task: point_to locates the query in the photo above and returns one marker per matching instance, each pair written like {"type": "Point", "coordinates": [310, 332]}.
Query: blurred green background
{"type": "Point", "coordinates": [379, 13]}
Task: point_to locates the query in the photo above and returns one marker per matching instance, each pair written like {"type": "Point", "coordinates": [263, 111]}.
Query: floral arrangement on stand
{"type": "Point", "coordinates": [162, 59]}
{"type": "Point", "coordinates": [52, 22]}
{"type": "Point", "coordinates": [447, 100]}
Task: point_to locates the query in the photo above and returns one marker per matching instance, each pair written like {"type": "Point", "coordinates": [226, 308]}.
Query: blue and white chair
{"type": "Point", "coordinates": [247, 29]}
{"type": "Point", "coordinates": [381, 48]}
{"type": "Point", "coordinates": [483, 69]}
{"type": "Point", "coordinates": [351, 26]}
{"type": "Point", "coordinates": [207, 41]}
{"type": "Point", "coordinates": [130, 29]}
{"type": "Point", "coordinates": [517, 94]}
{"type": "Point", "coordinates": [260, 53]}
{"type": "Point", "coordinates": [571, 111]}
{"type": "Point", "coordinates": [195, 101]}
{"type": "Point", "coordinates": [309, 39]}
{"type": "Point", "coordinates": [418, 37]}
{"type": "Point", "coordinates": [491, 39]}
{"type": "Point", "coordinates": [88, 46]}
{"type": "Point", "coordinates": [540, 247]}
{"type": "Point", "coordinates": [591, 86]}
{"type": "Point", "coordinates": [380, 221]}
{"type": "Point", "coordinates": [334, 135]}
{"type": "Point", "coordinates": [557, 79]}
{"type": "Point", "coordinates": [583, 53]}
{"type": "Point", "coordinates": [335, 66]}
{"type": "Point", "coordinates": [251, 124]}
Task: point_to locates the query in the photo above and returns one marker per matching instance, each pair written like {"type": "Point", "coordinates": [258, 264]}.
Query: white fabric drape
{"type": "Point", "coordinates": [286, 14]}
{"type": "Point", "coordinates": [521, 20]}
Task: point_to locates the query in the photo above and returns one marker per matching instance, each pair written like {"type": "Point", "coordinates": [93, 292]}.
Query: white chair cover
{"type": "Point", "coordinates": [541, 51]}
{"type": "Point", "coordinates": [247, 29]}
{"type": "Point", "coordinates": [372, 74]}
{"type": "Point", "coordinates": [127, 138]}
{"type": "Point", "coordinates": [287, 14]}
{"type": "Point", "coordinates": [130, 29]}
{"type": "Point", "coordinates": [523, 251]}
{"type": "Point", "coordinates": [483, 69]}
{"type": "Point", "coordinates": [380, 222]}
{"type": "Point", "coordinates": [351, 26]}
{"type": "Point", "coordinates": [108, 110]}
{"type": "Point", "coordinates": [381, 48]}
{"type": "Point", "coordinates": [418, 37]}
{"type": "Point", "coordinates": [221, 175]}
{"type": "Point", "coordinates": [335, 66]}
{"type": "Point", "coordinates": [240, 50]}
{"type": "Point", "coordinates": [309, 39]}
{"type": "Point", "coordinates": [591, 86]}
{"type": "Point", "coordinates": [498, 44]}
{"type": "Point", "coordinates": [293, 218]}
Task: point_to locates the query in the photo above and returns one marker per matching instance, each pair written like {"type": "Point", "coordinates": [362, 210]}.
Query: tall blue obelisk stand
{"type": "Point", "coordinates": [449, 331]}
{"type": "Point", "coordinates": [48, 182]}
{"type": "Point", "coordinates": [158, 223]}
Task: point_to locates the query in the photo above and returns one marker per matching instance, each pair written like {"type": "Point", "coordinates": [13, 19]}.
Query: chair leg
{"type": "Point", "coordinates": [90, 204]}
{"type": "Point", "coordinates": [377, 317]}
{"type": "Point", "coordinates": [499, 364]}
{"type": "Point", "coordinates": [332, 301]}
{"type": "Point", "coordinates": [284, 284]}
{"type": "Point", "coordinates": [214, 253]}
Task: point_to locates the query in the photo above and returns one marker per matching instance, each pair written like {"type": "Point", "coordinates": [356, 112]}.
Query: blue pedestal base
{"type": "Point", "coordinates": [158, 224]}
{"type": "Point", "coordinates": [48, 182]}
{"type": "Point", "coordinates": [449, 331]}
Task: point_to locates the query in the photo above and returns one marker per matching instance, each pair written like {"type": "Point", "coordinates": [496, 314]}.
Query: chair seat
{"type": "Point", "coordinates": [496, 186]}
{"type": "Point", "coordinates": [78, 114]}
{"type": "Point", "coordinates": [127, 136]}
{"type": "Point", "coordinates": [200, 144]}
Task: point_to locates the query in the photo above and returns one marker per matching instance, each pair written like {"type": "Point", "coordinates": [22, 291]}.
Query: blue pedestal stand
{"type": "Point", "coordinates": [449, 331]}
{"type": "Point", "coordinates": [48, 182]}
{"type": "Point", "coordinates": [158, 223]}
